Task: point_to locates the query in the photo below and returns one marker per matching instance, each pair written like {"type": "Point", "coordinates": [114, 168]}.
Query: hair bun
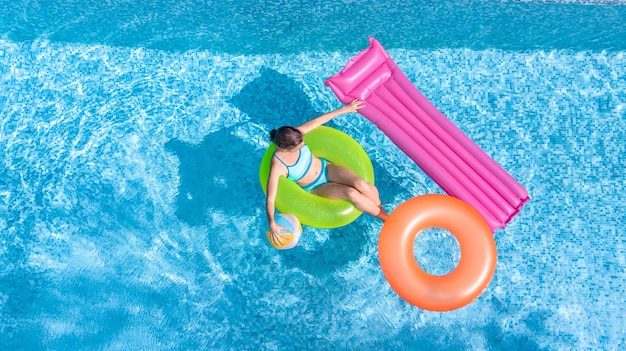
{"type": "Point", "coordinates": [272, 134]}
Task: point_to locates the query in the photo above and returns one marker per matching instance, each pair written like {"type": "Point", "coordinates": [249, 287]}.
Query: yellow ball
{"type": "Point", "coordinates": [292, 234]}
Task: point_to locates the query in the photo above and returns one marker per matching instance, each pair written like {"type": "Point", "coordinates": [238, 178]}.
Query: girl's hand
{"type": "Point", "coordinates": [354, 106]}
{"type": "Point", "coordinates": [278, 237]}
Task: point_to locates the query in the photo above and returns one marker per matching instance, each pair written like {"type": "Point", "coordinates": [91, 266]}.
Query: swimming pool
{"type": "Point", "coordinates": [131, 216]}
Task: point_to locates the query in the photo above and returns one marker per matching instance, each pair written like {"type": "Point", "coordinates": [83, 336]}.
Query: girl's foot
{"type": "Point", "coordinates": [382, 214]}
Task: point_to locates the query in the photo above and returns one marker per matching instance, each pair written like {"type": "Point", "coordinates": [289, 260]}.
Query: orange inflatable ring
{"type": "Point", "coordinates": [437, 293]}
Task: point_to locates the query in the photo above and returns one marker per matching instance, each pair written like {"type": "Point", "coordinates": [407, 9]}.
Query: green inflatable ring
{"type": "Point", "coordinates": [312, 210]}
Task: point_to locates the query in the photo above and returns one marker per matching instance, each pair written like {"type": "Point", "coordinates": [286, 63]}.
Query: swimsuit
{"type": "Point", "coordinates": [322, 178]}
{"type": "Point", "coordinates": [298, 170]}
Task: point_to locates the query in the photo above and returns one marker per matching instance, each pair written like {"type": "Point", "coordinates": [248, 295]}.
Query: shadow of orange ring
{"type": "Point", "coordinates": [437, 293]}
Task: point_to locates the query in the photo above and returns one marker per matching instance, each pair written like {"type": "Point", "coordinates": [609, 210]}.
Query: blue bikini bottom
{"type": "Point", "coordinates": [322, 178]}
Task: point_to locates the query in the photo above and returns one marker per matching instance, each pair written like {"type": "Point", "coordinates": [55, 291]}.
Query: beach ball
{"type": "Point", "coordinates": [293, 232]}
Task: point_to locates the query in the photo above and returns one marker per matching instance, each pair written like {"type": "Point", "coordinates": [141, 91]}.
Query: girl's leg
{"type": "Point", "coordinates": [343, 192]}
{"type": "Point", "coordinates": [345, 176]}
{"type": "Point", "coordinates": [344, 184]}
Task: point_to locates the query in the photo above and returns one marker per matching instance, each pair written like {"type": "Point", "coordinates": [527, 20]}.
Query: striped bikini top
{"type": "Point", "coordinates": [299, 169]}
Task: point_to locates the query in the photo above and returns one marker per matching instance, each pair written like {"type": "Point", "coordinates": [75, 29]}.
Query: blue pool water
{"type": "Point", "coordinates": [131, 217]}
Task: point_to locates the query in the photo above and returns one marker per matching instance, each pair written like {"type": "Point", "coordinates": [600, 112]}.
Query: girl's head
{"type": "Point", "coordinates": [286, 137]}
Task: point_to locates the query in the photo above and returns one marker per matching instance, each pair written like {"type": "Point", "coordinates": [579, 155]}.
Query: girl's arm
{"type": "Point", "coordinates": [270, 208]}
{"type": "Point", "coordinates": [318, 121]}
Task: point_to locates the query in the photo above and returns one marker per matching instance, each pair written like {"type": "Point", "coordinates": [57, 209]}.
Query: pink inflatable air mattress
{"type": "Point", "coordinates": [437, 146]}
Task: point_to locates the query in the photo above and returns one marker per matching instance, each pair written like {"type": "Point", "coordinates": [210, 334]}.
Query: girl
{"type": "Point", "coordinates": [294, 160]}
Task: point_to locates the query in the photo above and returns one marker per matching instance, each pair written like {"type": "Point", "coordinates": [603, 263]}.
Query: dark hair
{"type": "Point", "coordinates": [286, 137]}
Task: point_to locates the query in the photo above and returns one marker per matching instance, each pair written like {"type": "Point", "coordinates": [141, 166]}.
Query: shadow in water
{"type": "Point", "coordinates": [496, 335]}
{"type": "Point", "coordinates": [213, 176]}
{"type": "Point", "coordinates": [274, 99]}
{"type": "Point", "coordinates": [535, 324]}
